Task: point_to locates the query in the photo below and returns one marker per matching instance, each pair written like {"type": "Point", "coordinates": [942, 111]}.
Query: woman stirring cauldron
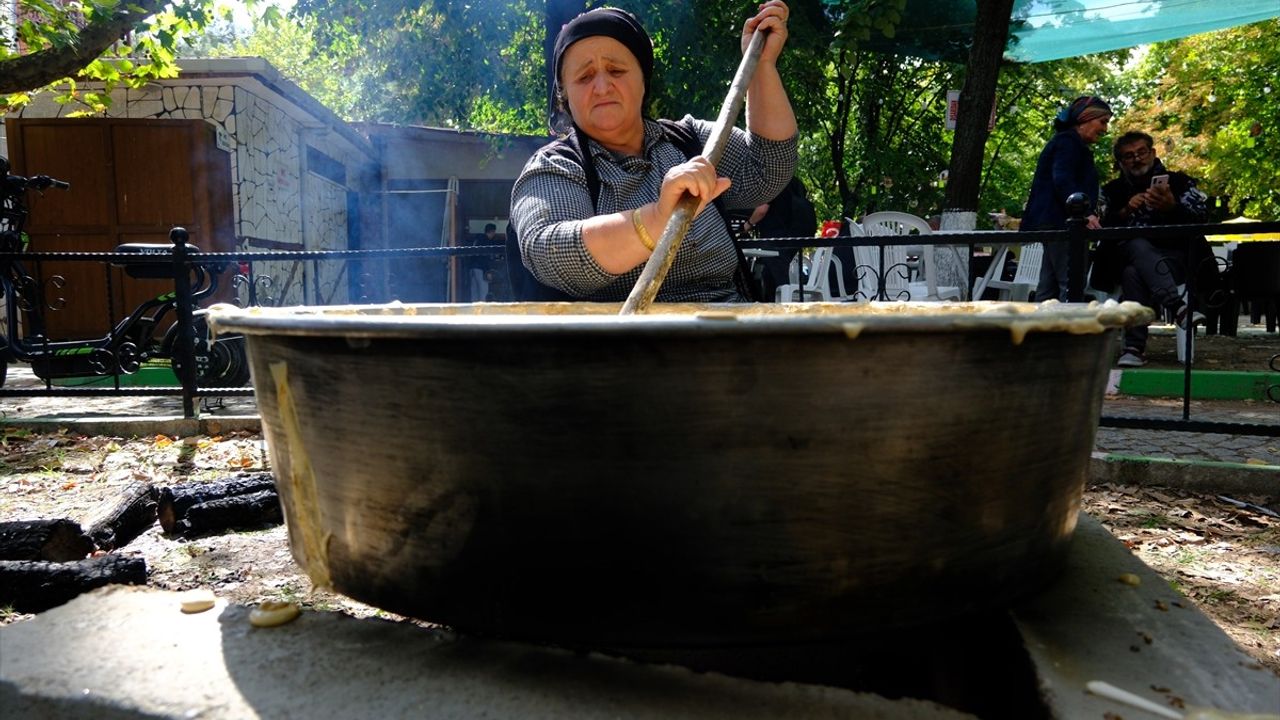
{"type": "Point", "coordinates": [594, 248]}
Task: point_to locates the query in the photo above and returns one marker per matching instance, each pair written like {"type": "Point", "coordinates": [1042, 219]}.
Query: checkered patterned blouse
{"type": "Point", "coordinates": [550, 200]}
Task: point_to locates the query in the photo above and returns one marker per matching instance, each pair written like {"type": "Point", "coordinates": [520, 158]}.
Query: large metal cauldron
{"type": "Point", "coordinates": [692, 476]}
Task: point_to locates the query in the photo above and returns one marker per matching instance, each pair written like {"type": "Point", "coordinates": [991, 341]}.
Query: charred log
{"type": "Point", "coordinates": [237, 512]}
{"type": "Point", "coordinates": [129, 518]}
{"type": "Point", "coordinates": [32, 586]}
{"type": "Point", "coordinates": [51, 540]}
{"type": "Point", "coordinates": [174, 501]}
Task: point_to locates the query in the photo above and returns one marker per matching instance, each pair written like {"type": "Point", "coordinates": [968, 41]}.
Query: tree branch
{"type": "Point", "coordinates": [29, 72]}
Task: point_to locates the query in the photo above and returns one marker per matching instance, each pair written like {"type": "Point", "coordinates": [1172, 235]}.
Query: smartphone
{"type": "Point", "coordinates": [1160, 180]}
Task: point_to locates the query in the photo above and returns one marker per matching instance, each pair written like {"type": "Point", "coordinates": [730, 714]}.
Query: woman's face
{"type": "Point", "coordinates": [1092, 131]}
{"type": "Point", "coordinates": [604, 86]}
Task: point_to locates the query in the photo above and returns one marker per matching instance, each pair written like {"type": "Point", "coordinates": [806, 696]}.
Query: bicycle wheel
{"type": "Point", "coordinates": [229, 363]}
{"type": "Point", "coordinates": [220, 362]}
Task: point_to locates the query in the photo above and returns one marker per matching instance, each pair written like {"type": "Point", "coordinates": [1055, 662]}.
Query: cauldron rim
{"type": "Point", "coordinates": [433, 319]}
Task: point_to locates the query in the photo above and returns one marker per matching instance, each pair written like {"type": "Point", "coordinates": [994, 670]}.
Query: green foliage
{"type": "Point", "coordinates": [438, 62]}
{"type": "Point", "coordinates": [1213, 103]}
{"type": "Point", "coordinates": [292, 48]}
{"type": "Point", "coordinates": [146, 54]}
{"type": "Point", "coordinates": [872, 134]}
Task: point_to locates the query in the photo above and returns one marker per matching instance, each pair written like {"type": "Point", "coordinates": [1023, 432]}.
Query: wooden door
{"type": "Point", "coordinates": [131, 181]}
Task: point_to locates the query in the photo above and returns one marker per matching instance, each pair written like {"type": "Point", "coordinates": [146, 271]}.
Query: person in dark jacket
{"type": "Point", "coordinates": [479, 268]}
{"type": "Point", "coordinates": [1149, 270]}
{"type": "Point", "coordinates": [790, 214]}
{"type": "Point", "coordinates": [1065, 167]}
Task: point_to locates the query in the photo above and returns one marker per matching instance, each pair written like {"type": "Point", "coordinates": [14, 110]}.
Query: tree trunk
{"type": "Point", "coordinates": [238, 512]}
{"type": "Point", "coordinates": [964, 176]}
{"type": "Point", "coordinates": [31, 586]}
{"type": "Point", "coordinates": [174, 501]}
{"type": "Point", "coordinates": [559, 12]}
{"type": "Point", "coordinates": [840, 131]}
{"type": "Point", "coordinates": [37, 69]}
{"type": "Point", "coordinates": [130, 517]}
{"type": "Point", "coordinates": [50, 540]}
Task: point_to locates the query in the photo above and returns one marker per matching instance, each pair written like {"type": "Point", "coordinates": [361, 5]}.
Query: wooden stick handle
{"type": "Point", "coordinates": [664, 253]}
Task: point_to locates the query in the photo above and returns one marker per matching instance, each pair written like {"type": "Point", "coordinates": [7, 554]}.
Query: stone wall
{"type": "Point", "coordinates": [326, 220]}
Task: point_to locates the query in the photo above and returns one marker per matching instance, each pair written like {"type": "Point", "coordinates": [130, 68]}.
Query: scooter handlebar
{"type": "Point", "coordinates": [40, 182]}
{"type": "Point", "coordinates": [16, 184]}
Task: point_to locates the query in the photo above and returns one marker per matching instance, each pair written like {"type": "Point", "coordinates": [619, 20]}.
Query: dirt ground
{"type": "Point", "coordinates": [1223, 557]}
{"type": "Point", "coordinates": [1247, 352]}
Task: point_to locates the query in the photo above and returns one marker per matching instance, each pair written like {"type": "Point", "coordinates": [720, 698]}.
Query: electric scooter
{"type": "Point", "coordinates": [219, 362]}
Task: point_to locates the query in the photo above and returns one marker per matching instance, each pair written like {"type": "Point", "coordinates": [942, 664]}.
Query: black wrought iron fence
{"type": "Point", "coordinates": [369, 274]}
{"type": "Point", "coordinates": [170, 327]}
{"type": "Point", "coordinates": [1224, 301]}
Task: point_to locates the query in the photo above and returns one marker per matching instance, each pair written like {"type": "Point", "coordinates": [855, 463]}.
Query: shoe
{"type": "Point", "coordinates": [1180, 317]}
{"type": "Point", "coordinates": [1131, 358]}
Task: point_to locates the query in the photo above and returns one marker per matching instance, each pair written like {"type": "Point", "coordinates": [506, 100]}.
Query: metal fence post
{"type": "Point", "coordinates": [185, 350]}
{"type": "Point", "coordinates": [1077, 246]}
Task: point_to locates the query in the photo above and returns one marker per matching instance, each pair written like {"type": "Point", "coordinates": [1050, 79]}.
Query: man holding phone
{"type": "Point", "coordinates": [1149, 270]}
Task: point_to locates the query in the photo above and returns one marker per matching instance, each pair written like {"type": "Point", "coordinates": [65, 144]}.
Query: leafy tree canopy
{"type": "Point", "coordinates": [62, 46]}
{"type": "Point", "coordinates": [1212, 102]}
{"type": "Point", "coordinates": [438, 62]}
{"type": "Point", "coordinates": [872, 135]}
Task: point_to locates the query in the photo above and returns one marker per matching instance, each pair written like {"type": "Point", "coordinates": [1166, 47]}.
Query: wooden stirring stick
{"type": "Point", "coordinates": [664, 253]}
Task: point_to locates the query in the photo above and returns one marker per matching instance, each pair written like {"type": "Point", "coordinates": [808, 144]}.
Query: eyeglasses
{"type": "Point", "coordinates": [1135, 155]}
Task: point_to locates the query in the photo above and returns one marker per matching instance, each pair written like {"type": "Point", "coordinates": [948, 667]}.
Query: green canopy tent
{"type": "Point", "coordinates": [1044, 30]}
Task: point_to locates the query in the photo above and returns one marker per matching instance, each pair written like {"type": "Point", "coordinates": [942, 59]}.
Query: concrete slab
{"type": "Point", "coordinates": [1200, 476]}
{"type": "Point", "coordinates": [131, 653]}
{"type": "Point", "coordinates": [142, 426]}
{"type": "Point", "coordinates": [1145, 638]}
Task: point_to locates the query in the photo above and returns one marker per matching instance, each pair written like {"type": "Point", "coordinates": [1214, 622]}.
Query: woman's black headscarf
{"type": "Point", "coordinates": [609, 22]}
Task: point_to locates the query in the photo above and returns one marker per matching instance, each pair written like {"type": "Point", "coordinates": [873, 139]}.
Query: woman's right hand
{"type": "Point", "coordinates": [696, 177]}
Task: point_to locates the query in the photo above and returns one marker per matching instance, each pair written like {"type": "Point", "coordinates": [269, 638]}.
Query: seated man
{"type": "Point", "coordinates": [1149, 271]}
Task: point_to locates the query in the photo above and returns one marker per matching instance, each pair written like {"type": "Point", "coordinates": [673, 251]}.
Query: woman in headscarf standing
{"type": "Point", "coordinates": [595, 248]}
{"type": "Point", "coordinates": [1065, 167]}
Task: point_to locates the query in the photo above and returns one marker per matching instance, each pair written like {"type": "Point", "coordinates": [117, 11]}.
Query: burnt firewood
{"type": "Point", "coordinates": [237, 512]}
{"type": "Point", "coordinates": [32, 586]}
{"type": "Point", "coordinates": [175, 500]}
{"type": "Point", "coordinates": [52, 540]}
{"type": "Point", "coordinates": [127, 519]}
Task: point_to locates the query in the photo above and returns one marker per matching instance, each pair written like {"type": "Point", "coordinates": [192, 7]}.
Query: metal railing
{"type": "Point", "coordinates": [1078, 237]}
{"type": "Point", "coordinates": [117, 353]}
{"type": "Point", "coordinates": [183, 259]}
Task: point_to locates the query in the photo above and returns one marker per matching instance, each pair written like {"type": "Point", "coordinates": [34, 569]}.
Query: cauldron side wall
{"type": "Point", "coordinates": [689, 490]}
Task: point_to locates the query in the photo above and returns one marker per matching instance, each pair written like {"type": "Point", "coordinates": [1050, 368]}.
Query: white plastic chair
{"type": "Point", "coordinates": [897, 262]}
{"type": "Point", "coordinates": [895, 223]}
{"type": "Point", "coordinates": [823, 263]}
{"type": "Point", "coordinates": [869, 269]}
{"type": "Point", "coordinates": [1024, 280]}
{"type": "Point", "coordinates": [818, 286]}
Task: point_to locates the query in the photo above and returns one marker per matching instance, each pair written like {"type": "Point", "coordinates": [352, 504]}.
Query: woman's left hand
{"type": "Point", "coordinates": [772, 17]}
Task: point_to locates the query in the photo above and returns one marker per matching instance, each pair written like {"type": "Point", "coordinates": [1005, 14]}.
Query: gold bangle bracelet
{"type": "Point", "coordinates": [641, 230]}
